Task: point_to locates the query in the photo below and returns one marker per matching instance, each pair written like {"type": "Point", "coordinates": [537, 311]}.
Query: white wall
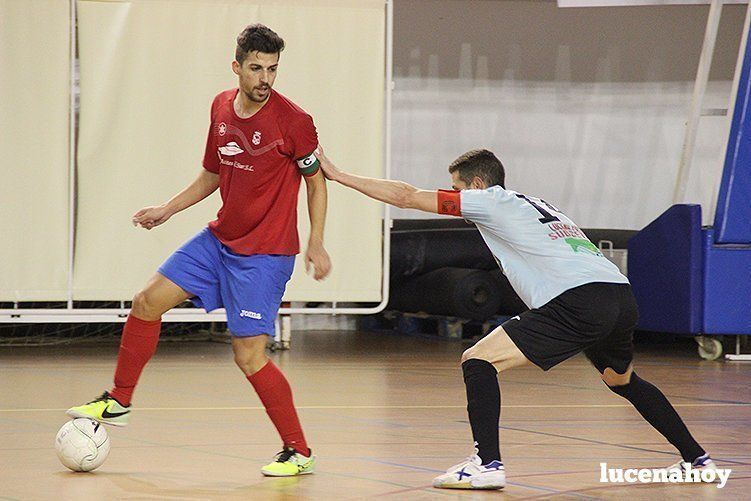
{"type": "Point", "coordinates": [585, 107]}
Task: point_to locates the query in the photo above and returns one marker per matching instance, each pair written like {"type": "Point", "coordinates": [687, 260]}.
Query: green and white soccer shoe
{"type": "Point", "coordinates": [290, 463]}
{"type": "Point", "coordinates": [105, 410]}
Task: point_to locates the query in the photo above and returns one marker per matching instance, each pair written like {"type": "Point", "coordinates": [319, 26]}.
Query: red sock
{"type": "Point", "coordinates": [137, 345]}
{"type": "Point", "coordinates": [273, 389]}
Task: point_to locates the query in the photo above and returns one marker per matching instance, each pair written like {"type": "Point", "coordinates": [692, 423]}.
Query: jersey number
{"type": "Point", "coordinates": [547, 217]}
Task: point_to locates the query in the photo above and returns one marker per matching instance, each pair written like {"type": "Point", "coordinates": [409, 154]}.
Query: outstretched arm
{"type": "Point", "coordinates": [396, 193]}
{"type": "Point", "coordinates": [204, 185]}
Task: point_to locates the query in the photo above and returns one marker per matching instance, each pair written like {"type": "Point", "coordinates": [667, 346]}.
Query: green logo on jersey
{"type": "Point", "coordinates": [582, 245]}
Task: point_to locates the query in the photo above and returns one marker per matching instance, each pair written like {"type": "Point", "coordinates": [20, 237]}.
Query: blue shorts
{"type": "Point", "coordinates": [250, 288]}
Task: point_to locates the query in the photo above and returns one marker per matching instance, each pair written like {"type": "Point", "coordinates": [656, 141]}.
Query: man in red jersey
{"type": "Point", "coordinates": [260, 145]}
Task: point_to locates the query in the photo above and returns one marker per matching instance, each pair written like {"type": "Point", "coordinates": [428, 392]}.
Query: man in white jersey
{"type": "Point", "coordinates": [578, 301]}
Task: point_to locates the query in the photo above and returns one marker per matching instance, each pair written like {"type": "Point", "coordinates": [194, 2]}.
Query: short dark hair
{"type": "Point", "coordinates": [481, 163]}
{"type": "Point", "coordinates": [257, 37]}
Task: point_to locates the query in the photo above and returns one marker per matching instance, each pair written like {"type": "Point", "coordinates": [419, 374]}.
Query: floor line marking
{"type": "Point", "coordinates": [344, 407]}
{"type": "Point", "coordinates": [599, 442]}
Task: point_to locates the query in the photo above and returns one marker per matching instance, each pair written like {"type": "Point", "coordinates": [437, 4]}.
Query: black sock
{"type": "Point", "coordinates": [483, 407]}
{"type": "Point", "coordinates": [655, 408]}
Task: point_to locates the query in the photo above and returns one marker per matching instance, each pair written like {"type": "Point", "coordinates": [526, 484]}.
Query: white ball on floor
{"type": "Point", "coordinates": [82, 444]}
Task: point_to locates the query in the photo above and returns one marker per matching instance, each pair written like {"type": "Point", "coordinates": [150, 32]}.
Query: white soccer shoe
{"type": "Point", "coordinates": [472, 474]}
{"type": "Point", "coordinates": [701, 464]}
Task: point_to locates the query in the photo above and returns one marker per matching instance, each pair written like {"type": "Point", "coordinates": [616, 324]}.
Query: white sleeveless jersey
{"type": "Point", "coordinates": [541, 251]}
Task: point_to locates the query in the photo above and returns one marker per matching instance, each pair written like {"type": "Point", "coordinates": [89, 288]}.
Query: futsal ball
{"type": "Point", "coordinates": [82, 444]}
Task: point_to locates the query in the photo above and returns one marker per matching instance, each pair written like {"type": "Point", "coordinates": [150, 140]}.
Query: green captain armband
{"type": "Point", "coordinates": [309, 164]}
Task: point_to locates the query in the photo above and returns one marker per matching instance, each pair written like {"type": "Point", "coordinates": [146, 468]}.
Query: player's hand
{"type": "Point", "coordinates": [150, 217]}
{"type": "Point", "coordinates": [330, 170]}
{"type": "Point", "coordinates": [317, 257]}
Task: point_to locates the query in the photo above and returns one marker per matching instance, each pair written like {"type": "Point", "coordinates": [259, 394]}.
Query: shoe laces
{"type": "Point", "coordinates": [469, 459]}
{"type": "Point", "coordinates": [285, 455]}
{"type": "Point", "coordinates": [101, 398]}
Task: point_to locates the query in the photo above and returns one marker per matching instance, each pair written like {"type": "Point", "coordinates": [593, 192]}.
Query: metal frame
{"type": "Point", "coordinates": [700, 87]}
{"type": "Point", "coordinates": [108, 315]}
{"type": "Point", "coordinates": [738, 356]}
{"type": "Point", "coordinates": [72, 128]}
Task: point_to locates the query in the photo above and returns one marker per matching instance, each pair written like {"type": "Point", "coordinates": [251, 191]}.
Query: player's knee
{"type": "Point", "coordinates": [144, 307]}
{"type": "Point", "coordinates": [477, 352]}
{"type": "Point", "coordinates": [250, 357]}
{"type": "Point", "coordinates": [470, 353]}
{"type": "Point", "coordinates": [250, 363]}
{"type": "Point", "coordinates": [614, 379]}
{"type": "Point", "coordinates": [501, 360]}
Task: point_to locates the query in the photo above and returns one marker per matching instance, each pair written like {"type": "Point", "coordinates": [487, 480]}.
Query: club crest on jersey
{"type": "Point", "coordinates": [222, 129]}
{"type": "Point", "coordinates": [230, 149]}
{"type": "Point", "coordinates": [583, 245]}
{"type": "Point", "coordinates": [256, 138]}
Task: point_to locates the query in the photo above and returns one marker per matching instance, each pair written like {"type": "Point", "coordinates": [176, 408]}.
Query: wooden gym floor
{"type": "Point", "coordinates": [383, 413]}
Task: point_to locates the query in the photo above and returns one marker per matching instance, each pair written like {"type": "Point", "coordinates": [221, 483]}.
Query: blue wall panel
{"type": "Point", "coordinates": [733, 217]}
{"type": "Point", "coordinates": [727, 287]}
{"type": "Point", "coordinates": [665, 262]}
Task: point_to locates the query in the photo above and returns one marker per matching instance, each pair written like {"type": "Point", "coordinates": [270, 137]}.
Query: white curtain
{"type": "Point", "coordinates": [607, 154]}
{"type": "Point", "coordinates": [149, 70]}
{"type": "Point", "coordinates": [588, 117]}
{"type": "Point", "coordinates": [34, 85]}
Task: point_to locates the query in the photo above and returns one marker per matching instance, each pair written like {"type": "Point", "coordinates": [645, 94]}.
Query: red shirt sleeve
{"type": "Point", "coordinates": [449, 203]}
{"type": "Point", "coordinates": [211, 154]}
{"type": "Point", "coordinates": [303, 136]}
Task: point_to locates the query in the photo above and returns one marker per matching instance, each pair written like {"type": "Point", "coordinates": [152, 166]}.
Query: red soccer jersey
{"type": "Point", "coordinates": [259, 178]}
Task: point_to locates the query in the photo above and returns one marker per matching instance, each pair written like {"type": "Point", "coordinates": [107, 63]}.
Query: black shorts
{"type": "Point", "coordinates": [596, 318]}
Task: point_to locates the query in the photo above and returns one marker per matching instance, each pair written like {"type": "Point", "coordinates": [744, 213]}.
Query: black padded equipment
{"type": "Point", "coordinates": [457, 292]}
